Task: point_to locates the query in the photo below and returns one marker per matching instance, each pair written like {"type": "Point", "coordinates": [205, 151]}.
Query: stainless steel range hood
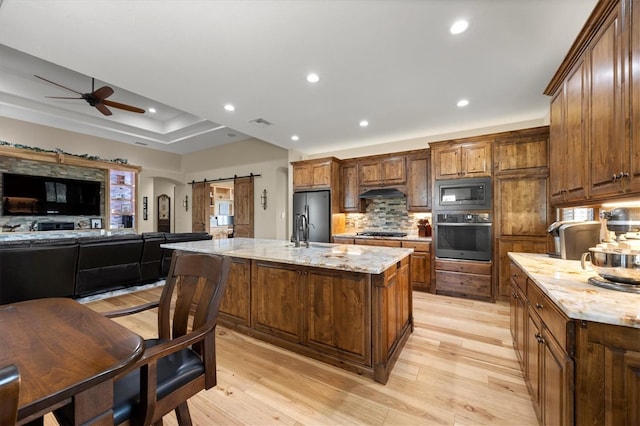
{"type": "Point", "coordinates": [382, 193]}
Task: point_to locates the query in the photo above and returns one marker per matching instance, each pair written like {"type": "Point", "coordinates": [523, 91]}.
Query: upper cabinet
{"type": "Point", "coordinates": [419, 182]}
{"type": "Point", "coordinates": [454, 160]}
{"type": "Point", "coordinates": [350, 187]}
{"type": "Point", "coordinates": [378, 171]}
{"type": "Point", "coordinates": [595, 110]}
{"type": "Point", "coordinates": [315, 174]}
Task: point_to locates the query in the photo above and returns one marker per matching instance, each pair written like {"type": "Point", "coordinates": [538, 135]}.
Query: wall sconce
{"type": "Point", "coordinates": [185, 203]}
{"type": "Point", "coordinates": [263, 199]}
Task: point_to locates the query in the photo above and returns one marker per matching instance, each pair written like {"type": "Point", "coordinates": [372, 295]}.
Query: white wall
{"type": "Point", "coordinates": [167, 173]}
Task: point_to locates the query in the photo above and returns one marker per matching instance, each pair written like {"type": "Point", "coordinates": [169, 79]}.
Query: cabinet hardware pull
{"type": "Point", "coordinates": [539, 306]}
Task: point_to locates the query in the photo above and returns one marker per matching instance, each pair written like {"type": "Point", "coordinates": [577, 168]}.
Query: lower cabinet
{"type": "Point", "coordinates": [420, 264]}
{"type": "Point", "coordinates": [544, 341]}
{"type": "Point", "coordinates": [607, 374]}
{"type": "Point", "coordinates": [464, 278]}
{"type": "Point", "coordinates": [235, 307]}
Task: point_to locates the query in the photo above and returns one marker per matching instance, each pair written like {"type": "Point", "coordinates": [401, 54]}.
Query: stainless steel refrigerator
{"type": "Point", "coordinates": [316, 205]}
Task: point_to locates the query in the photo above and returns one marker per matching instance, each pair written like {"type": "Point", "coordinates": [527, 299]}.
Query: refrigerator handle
{"type": "Point", "coordinates": [306, 213]}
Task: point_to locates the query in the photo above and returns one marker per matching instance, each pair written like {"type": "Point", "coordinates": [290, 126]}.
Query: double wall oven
{"type": "Point", "coordinates": [462, 219]}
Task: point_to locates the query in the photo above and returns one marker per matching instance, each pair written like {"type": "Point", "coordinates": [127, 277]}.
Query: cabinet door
{"type": "Point", "coordinates": [557, 148]}
{"type": "Point", "coordinates": [518, 318]}
{"type": "Point", "coordinates": [529, 155]}
{"type": "Point", "coordinates": [534, 359]}
{"type": "Point", "coordinates": [476, 160]}
{"type": "Point", "coordinates": [370, 173]}
{"type": "Point", "coordinates": [608, 146]}
{"type": "Point", "coordinates": [557, 393]}
{"type": "Point", "coordinates": [235, 306]}
{"type": "Point", "coordinates": [276, 299]}
{"type": "Point", "coordinates": [350, 189]}
{"type": "Point", "coordinates": [338, 318]}
{"type": "Point", "coordinates": [302, 176]}
{"type": "Point", "coordinates": [421, 271]}
{"type": "Point", "coordinates": [393, 170]}
{"type": "Point", "coordinates": [418, 184]}
{"type": "Point", "coordinates": [575, 140]}
{"type": "Point", "coordinates": [634, 95]}
{"type": "Point", "coordinates": [447, 163]}
{"type": "Point", "coordinates": [522, 206]}
{"type": "Point", "coordinates": [321, 175]}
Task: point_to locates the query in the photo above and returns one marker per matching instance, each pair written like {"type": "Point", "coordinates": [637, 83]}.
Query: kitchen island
{"type": "Point", "coordinates": [349, 306]}
{"type": "Point", "coordinates": [578, 344]}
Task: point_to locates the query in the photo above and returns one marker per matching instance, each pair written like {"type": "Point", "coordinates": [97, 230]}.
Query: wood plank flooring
{"type": "Point", "coordinates": [458, 368]}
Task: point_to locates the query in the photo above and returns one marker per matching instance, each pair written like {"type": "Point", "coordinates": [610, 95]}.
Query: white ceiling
{"type": "Point", "coordinates": [391, 62]}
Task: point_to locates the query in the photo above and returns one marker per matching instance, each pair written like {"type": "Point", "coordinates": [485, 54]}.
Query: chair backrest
{"type": "Point", "coordinates": [9, 393]}
{"type": "Point", "coordinates": [196, 284]}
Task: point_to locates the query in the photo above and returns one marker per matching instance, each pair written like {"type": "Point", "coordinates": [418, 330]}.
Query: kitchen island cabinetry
{"type": "Point", "coordinates": [420, 264]}
{"type": "Point", "coordinates": [582, 346]}
{"type": "Point", "coordinates": [349, 306]}
{"type": "Point", "coordinates": [455, 160]}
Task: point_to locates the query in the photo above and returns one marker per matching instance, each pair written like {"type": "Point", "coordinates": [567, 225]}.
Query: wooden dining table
{"type": "Point", "coordinates": [68, 356]}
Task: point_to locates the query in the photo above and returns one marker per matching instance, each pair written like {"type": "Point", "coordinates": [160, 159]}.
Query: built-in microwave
{"type": "Point", "coordinates": [463, 194]}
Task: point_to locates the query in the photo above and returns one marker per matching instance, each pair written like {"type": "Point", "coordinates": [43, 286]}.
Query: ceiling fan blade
{"type": "Point", "coordinates": [123, 106]}
{"type": "Point", "coordinates": [103, 92]}
{"type": "Point", "coordinates": [103, 109]}
{"type": "Point", "coordinates": [61, 97]}
{"type": "Point", "coordinates": [59, 85]}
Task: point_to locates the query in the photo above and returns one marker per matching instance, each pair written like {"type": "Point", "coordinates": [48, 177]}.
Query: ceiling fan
{"type": "Point", "coordinates": [97, 98]}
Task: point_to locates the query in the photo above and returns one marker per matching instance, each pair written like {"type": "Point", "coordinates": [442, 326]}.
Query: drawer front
{"type": "Point", "coordinates": [519, 277]}
{"type": "Point", "coordinates": [417, 246]}
{"type": "Point", "coordinates": [343, 240]}
{"type": "Point", "coordinates": [556, 321]}
{"type": "Point", "coordinates": [378, 242]}
{"type": "Point", "coordinates": [465, 266]}
{"type": "Point", "coordinates": [471, 285]}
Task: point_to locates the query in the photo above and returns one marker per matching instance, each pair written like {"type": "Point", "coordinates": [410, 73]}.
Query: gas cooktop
{"type": "Point", "coordinates": [381, 234]}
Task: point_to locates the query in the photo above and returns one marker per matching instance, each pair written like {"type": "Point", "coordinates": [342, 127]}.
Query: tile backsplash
{"type": "Point", "coordinates": [385, 214]}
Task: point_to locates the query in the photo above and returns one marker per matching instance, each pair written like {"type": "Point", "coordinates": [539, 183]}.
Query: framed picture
{"type": "Point", "coordinates": [126, 209]}
{"type": "Point", "coordinates": [96, 223]}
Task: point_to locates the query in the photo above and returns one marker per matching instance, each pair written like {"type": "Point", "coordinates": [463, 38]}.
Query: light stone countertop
{"type": "Point", "coordinates": [565, 282]}
{"type": "Point", "coordinates": [343, 257]}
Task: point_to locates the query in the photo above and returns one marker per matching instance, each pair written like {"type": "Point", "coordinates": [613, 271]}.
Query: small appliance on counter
{"type": "Point", "coordinates": [571, 239]}
{"type": "Point", "coordinates": [617, 263]}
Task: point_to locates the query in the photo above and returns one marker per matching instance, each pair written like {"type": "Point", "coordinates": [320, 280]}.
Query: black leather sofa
{"type": "Point", "coordinates": [37, 268]}
{"type": "Point", "coordinates": [70, 267]}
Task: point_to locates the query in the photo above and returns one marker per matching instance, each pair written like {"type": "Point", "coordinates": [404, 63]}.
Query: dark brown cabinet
{"type": "Point", "coordinates": [235, 307]}
{"type": "Point", "coordinates": [350, 188]}
{"type": "Point", "coordinates": [375, 171]}
{"type": "Point", "coordinates": [455, 160]}
{"type": "Point", "coordinates": [464, 278]}
{"type": "Point", "coordinates": [420, 273]}
{"type": "Point", "coordinates": [313, 174]}
{"type": "Point", "coordinates": [419, 182]}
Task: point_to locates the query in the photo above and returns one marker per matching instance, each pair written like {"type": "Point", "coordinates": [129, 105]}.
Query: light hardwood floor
{"type": "Point", "coordinates": [458, 368]}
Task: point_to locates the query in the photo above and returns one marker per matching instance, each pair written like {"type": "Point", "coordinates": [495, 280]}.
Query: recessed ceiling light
{"type": "Point", "coordinates": [463, 103]}
{"type": "Point", "coordinates": [313, 78]}
{"type": "Point", "coordinates": [295, 138]}
{"type": "Point", "coordinates": [459, 26]}
{"type": "Point", "coordinates": [152, 110]}
{"type": "Point", "coordinates": [364, 123]}
{"type": "Point", "coordinates": [229, 107]}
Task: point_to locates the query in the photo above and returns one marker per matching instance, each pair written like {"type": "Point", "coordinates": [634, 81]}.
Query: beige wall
{"type": "Point", "coordinates": [167, 173]}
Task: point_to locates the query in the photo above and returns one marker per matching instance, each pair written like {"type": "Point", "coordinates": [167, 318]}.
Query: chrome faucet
{"type": "Point", "coordinates": [302, 224]}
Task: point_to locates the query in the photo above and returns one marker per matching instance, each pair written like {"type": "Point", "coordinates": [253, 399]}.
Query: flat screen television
{"type": "Point", "coordinates": [28, 195]}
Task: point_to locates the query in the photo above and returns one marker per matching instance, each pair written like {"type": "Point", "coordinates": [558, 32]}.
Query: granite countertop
{"type": "Point", "coordinates": [344, 257]}
{"type": "Point", "coordinates": [565, 282]}
{"type": "Point", "coordinates": [408, 237]}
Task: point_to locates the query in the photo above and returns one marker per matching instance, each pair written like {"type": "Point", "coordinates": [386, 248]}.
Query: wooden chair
{"type": "Point", "coordinates": [182, 361]}
{"type": "Point", "coordinates": [9, 393]}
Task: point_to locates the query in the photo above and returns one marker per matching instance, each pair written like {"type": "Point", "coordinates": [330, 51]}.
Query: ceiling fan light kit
{"type": "Point", "coordinates": [96, 98]}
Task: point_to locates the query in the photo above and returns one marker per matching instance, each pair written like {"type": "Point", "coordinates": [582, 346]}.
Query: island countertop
{"type": "Point", "coordinates": [366, 259]}
{"type": "Point", "coordinates": [565, 282]}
